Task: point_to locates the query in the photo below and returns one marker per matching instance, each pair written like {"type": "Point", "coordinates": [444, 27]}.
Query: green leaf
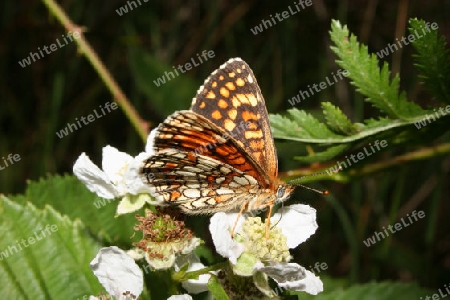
{"type": "Point", "coordinates": [44, 255]}
{"type": "Point", "coordinates": [301, 125]}
{"type": "Point", "coordinates": [216, 288]}
{"type": "Point", "coordinates": [290, 128]}
{"type": "Point", "coordinates": [366, 75]}
{"type": "Point", "coordinates": [370, 291]}
{"type": "Point", "coordinates": [432, 58]}
{"type": "Point", "coordinates": [337, 121]}
{"type": "Point", "coordinates": [69, 196]}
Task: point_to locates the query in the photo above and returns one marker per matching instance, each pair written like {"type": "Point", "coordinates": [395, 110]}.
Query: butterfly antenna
{"type": "Point", "coordinates": [328, 172]}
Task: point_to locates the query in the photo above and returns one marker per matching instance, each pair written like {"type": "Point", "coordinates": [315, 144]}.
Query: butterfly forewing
{"type": "Point", "coordinates": [229, 97]}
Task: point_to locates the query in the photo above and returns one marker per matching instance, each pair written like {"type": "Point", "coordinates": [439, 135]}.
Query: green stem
{"type": "Point", "coordinates": [343, 176]}
{"type": "Point", "coordinates": [139, 124]}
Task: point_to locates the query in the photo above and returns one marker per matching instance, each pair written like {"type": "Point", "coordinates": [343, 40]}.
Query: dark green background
{"type": "Point", "coordinates": [40, 99]}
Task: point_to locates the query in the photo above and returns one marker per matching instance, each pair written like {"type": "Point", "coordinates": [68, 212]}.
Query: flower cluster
{"type": "Point", "coordinates": [168, 244]}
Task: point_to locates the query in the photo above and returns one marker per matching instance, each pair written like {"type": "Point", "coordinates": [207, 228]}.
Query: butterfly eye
{"type": "Point", "coordinates": [280, 192]}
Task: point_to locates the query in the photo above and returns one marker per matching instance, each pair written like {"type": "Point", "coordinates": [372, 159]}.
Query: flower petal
{"type": "Point", "coordinates": [298, 223]}
{"type": "Point", "coordinates": [132, 203]}
{"type": "Point", "coordinates": [150, 142]}
{"type": "Point", "coordinates": [117, 272]}
{"type": "Point", "coordinates": [134, 181]}
{"type": "Point", "coordinates": [220, 227]}
{"type": "Point", "coordinates": [292, 276]}
{"type": "Point", "coordinates": [180, 297]}
{"type": "Point", "coordinates": [160, 263]}
{"type": "Point", "coordinates": [95, 179]}
{"type": "Point", "coordinates": [114, 164]}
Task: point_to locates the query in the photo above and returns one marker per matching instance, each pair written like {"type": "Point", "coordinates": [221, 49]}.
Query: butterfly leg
{"type": "Point", "coordinates": [269, 214]}
{"type": "Point", "coordinates": [243, 207]}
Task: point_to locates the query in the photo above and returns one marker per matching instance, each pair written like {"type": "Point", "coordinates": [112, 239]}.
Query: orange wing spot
{"type": "Point", "coordinates": [211, 193]}
{"type": "Point", "coordinates": [240, 82]}
{"type": "Point", "coordinates": [166, 136]}
{"type": "Point", "coordinates": [230, 86]}
{"type": "Point", "coordinates": [236, 102]}
{"type": "Point", "coordinates": [220, 198]}
{"type": "Point", "coordinates": [238, 70]}
{"type": "Point", "coordinates": [254, 134]}
{"type": "Point", "coordinates": [249, 99]}
{"type": "Point", "coordinates": [191, 156]}
{"type": "Point", "coordinates": [171, 165]}
{"type": "Point", "coordinates": [216, 115]}
{"type": "Point", "coordinates": [224, 92]}
{"type": "Point", "coordinates": [257, 145]}
{"type": "Point", "coordinates": [175, 195]}
{"type": "Point", "coordinates": [248, 115]}
{"type": "Point", "coordinates": [222, 151]}
{"type": "Point", "coordinates": [243, 66]}
{"type": "Point", "coordinates": [240, 161]}
{"type": "Point", "coordinates": [243, 98]}
{"type": "Point", "coordinates": [221, 77]}
{"type": "Point", "coordinates": [257, 155]}
{"type": "Point", "coordinates": [232, 113]}
{"type": "Point", "coordinates": [203, 104]}
{"type": "Point", "coordinates": [211, 95]}
{"type": "Point", "coordinates": [214, 84]}
{"type": "Point", "coordinates": [229, 125]}
{"type": "Point", "coordinates": [231, 74]}
{"type": "Point", "coordinates": [222, 103]}
{"type": "Point", "coordinates": [252, 125]}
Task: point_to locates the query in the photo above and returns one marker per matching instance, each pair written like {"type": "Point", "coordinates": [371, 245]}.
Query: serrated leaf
{"type": "Point", "coordinates": [432, 58]}
{"type": "Point", "coordinates": [337, 121]}
{"type": "Point", "coordinates": [286, 128]}
{"type": "Point", "coordinates": [372, 291]}
{"type": "Point", "coordinates": [216, 288]}
{"type": "Point", "coordinates": [301, 125]}
{"type": "Point", "coordinates": [367, 77]}
{"type": "Point", "coordinates": [53, 266]}
{"type": "Point", "coordinates": [69, 196]}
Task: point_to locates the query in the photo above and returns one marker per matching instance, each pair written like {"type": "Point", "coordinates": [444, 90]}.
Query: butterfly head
{"type": "Point", "coordinates": [283, 192]}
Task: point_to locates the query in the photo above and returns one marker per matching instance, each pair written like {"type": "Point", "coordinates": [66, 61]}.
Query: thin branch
{"type": "Point", "coordinates": [138, 123]}
{"type": "Point", "coordinates": [343, 176]}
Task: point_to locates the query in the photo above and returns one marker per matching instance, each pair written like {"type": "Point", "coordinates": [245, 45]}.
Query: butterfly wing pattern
{"type": "Point", "coordinates": [220, 155]}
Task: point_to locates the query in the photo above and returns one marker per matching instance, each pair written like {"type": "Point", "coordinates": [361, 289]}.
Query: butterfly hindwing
{"type": "Point", "coordinates": [197, 183]}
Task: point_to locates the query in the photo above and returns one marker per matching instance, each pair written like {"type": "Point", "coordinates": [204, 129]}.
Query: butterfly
{"type": "Point", "coordinates": [220, 154]}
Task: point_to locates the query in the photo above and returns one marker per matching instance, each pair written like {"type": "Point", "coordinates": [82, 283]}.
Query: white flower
{"type": "Point", "coordinates": [119, 178]}
{"type": "Point", "coordinates": [292, 276]}
{"type": "Point", "coordinates": [109, 183]}
{"type": "Point", "coordinates": [249, 252]}
{"type": "Point", "coordinates": [118, 273]}
{"type": "Point", "coordinates": [180, 297]}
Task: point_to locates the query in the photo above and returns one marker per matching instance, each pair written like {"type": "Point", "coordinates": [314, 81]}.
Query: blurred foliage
{"type": "Point", "coordinates": [138, 47]}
